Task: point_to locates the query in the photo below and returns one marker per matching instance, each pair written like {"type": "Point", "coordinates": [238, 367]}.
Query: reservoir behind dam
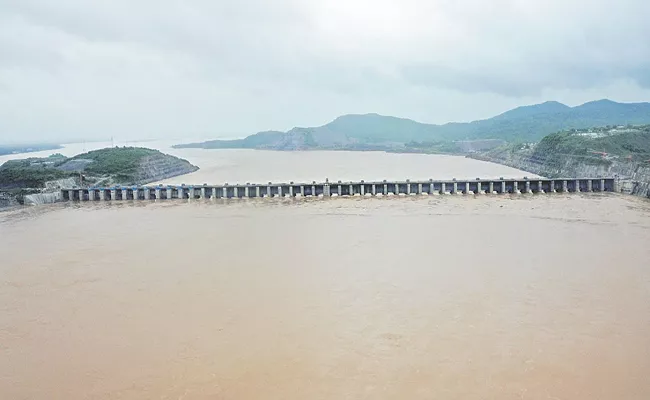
{"type": "Point", "coordinates": [458, 297]}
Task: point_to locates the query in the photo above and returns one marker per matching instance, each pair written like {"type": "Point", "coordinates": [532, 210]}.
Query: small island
{"type": "Point", "coordinates": [20, 179]}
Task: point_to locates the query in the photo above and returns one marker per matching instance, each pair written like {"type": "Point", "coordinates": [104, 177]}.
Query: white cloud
{"type": "Point", "coordinates": [152, 68]}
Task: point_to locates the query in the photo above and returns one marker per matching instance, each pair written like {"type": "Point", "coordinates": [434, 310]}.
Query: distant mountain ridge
{"type": "Point", "coordinates": [526, 111]}
{"type": "Point", "coordinates": [378, 132]}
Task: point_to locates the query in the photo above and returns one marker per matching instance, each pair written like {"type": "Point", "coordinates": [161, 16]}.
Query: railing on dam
{"type": "Point", "coordinates": [328, 189]}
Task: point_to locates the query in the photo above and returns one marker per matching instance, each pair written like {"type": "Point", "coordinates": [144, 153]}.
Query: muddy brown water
{"type": "Point", "coordinates": [447, 297]}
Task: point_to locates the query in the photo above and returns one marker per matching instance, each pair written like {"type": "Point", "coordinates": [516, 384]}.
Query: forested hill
{"type": "Point", "coordinates": [118, 165]}
{"type": "Point", "coordinates": [373, 131]}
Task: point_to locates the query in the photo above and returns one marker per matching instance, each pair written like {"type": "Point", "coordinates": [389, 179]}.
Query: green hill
{"type": "Point", "coordinates": [118, 165]}
{"type": "Point", "coordinates": [31, 172]}
{"type": "Point", "coordinates": [597, 145]}
{"type": "Point", "coordinates": [373, 131]}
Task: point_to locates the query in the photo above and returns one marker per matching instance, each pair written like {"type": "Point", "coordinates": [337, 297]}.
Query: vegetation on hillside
{"type": "Point", "coordinates": [30, 172]}
{"type": "Point", "coordinates": [120, 162]}
{"type": "Point", "coordinates": [598, 145]}
{"type": "Point", "coordinates": [606, 150]}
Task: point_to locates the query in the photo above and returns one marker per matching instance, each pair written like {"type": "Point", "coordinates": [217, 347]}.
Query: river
{"type": "Point", "coordinates": [425, 297]}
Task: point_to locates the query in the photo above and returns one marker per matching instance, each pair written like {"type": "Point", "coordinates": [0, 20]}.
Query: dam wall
{"type": "Point", "coordinates": [333, 189]}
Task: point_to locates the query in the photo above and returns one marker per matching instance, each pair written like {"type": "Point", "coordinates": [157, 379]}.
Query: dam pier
{"type": "Point", "coordinates": [333, 189]}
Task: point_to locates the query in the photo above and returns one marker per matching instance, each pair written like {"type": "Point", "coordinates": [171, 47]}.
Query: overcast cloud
{"type": "Point", "coordinates": [211, 68]}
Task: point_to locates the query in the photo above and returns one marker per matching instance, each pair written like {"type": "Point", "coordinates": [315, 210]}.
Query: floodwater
{"type": "Point", "coordinates": [422, 297]}
{"type": "Point", "coordinates": [439, 297]}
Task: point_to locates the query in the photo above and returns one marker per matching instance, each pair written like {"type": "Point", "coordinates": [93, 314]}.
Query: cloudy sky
{"type": "Point", "coordinates": [227, 68]}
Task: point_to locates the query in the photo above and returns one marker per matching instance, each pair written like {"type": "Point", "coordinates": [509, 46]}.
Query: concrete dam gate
{"type": "Point", "coordinates": [333, 189]}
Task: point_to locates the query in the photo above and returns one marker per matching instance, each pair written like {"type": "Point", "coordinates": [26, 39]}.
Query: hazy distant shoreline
{"type": "Point", "coordinates": [27, 148]}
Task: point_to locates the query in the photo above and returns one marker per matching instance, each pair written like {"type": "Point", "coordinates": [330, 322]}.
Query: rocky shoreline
{"type": "Point", "coordinates": [634, 177]}
{"type": "Point", "coordinates": [621, 152]}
